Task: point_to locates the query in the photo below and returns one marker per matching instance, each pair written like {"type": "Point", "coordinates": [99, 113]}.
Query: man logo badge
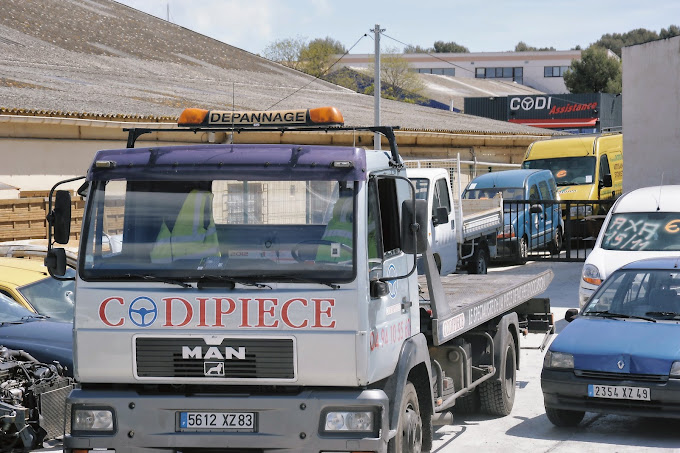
{"type": "Point", "coordinates": [213, 368]}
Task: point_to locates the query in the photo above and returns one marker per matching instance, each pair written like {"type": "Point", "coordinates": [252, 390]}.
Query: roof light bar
{"type": "Point", "coordinates": [322, 116]}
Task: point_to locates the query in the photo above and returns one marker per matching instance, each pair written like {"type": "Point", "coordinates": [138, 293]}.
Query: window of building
{"type": "Point", "coordinates": [516, 74]}
{"type": "Point", "coordinates": [554, 71]}
{"type": "Point", "coordinates": [439, 71]}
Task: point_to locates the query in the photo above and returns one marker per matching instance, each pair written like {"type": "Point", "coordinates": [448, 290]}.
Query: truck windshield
{"type": "Point", "coordinates": [653, 231]}
{"type": "Point", "coordinates": [568, 171]}
{"type": "Point", "coordinates": [246, 230]}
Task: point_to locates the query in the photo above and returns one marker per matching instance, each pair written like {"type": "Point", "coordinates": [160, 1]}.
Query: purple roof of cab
{"type": "Point", "coordinates": [241, 161]}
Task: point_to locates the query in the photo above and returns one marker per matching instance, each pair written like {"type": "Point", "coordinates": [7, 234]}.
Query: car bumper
{"type": "Point", "coordinates": [565, 390]}
{"type": "Point", "coordinates": [284, 422]}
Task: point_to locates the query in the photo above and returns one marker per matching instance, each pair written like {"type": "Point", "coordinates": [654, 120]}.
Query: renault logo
{"type": "Point", "coordinates": [620, 364]}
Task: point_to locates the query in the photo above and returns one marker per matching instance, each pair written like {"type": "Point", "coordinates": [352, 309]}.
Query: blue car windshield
{"type": "Point", "coordinates": [650, 293]}
{"type": "Point", "coordinates": [651, 231]}
{"type": "Point", "coordinates": [509, 193]}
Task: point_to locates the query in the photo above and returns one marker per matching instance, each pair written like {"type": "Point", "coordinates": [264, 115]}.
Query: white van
{"type": "Point", "coordinates": [643, 223]}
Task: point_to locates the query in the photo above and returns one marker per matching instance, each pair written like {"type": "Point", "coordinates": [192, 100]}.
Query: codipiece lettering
{"type": "Point", "coordinates": [209, 312]}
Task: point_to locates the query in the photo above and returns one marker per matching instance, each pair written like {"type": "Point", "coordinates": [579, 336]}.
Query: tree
{"type": "Point", "coordinates": [449, 47]}
{"type": "Point", "coordinates": [523, 47]}
{"type": "Point", "coordinates": [417, 49]}
{"type": "Point", "coordinates": [316, 57]}
{"type": "Point", "coordinates": [397, 79]}
{"type": "Point", "coordinates": [286, 51]}
{"type": "Point", "coordinates": [615, 41]}
{"type": "Point", "coordinates": [596, 72]}
{"type": "Point", "coordinates": [672, 31]}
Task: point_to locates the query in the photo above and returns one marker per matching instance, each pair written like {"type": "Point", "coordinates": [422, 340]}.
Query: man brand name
{"type": "Point", "coordinates": [213, 352]}
{"type": "Point", "coordinates": [262, 118]}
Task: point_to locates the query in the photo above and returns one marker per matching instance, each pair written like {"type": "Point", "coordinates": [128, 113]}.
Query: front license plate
{"type": "Point", "coordinates": [217, 421]}
{"type": "Point", "coordinates": [618, 392]}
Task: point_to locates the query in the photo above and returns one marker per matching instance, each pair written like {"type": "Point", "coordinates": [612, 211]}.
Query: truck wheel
{"type": "Point", "coordinates": [498, 396]}
{"type": "Point", "coordinates": [564, 418]}
{"type": "Point", "coordinates": [556, 244]}
{"type": "Point", "coordinates": [479, 263]}
{"type": "Point", "coordinates": [522, 250]}
{"type": "Point", "coordinates": [468, 404]}
{"type": "Point", "coordinates": [409, 438]}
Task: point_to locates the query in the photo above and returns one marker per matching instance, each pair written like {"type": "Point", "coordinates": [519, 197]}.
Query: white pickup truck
{"type": "Point", "coordinates": [462, 233]}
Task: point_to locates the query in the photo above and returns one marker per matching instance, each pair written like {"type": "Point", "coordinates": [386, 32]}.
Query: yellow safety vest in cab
{"type": "Point", "coordinates": [193, 235]}
{"type": "Point", "coordinates": [339, 231]}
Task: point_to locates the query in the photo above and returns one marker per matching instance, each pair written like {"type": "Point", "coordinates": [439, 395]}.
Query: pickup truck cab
{"type": "Point", "coordinates": [461, 233]}
{"type": "Point", "coordinates": [532, 219]}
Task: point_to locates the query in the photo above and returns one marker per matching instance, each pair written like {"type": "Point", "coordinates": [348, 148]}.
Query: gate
{"type": "Point", "coordinates": [550, 230]}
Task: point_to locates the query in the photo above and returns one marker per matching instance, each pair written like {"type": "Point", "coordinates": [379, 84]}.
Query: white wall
{"type": "Point", "coordinates": [651, 114]}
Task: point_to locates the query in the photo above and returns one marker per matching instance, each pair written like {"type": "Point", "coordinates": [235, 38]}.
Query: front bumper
{"type": "Point", "coordinates": [286, 422]}
{"type": "Point", "coordinates": [565, 390]}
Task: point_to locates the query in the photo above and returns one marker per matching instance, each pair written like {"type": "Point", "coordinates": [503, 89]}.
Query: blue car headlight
{"type": "Point", "coordinates": [558, 360]}
{"type": "Point", "coordinates": [675, 370]}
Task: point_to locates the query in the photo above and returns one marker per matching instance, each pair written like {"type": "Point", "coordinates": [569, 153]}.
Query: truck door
{"type": "Point", "coordinates": [443, 234]}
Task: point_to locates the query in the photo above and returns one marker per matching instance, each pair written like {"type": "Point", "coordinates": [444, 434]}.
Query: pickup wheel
{"type": "Point", "coordinates": [498, 396]}
{"type": "Point", "coordinates": [522, 250]}
{"type": "Point", "coordinates": [564, 418]}
{"type": "Point", "coordinates": [555, 246]}
{"type": "Point", "coordinates": [409, 438]}
{"type": "Point", "coordinates": [479, 263]}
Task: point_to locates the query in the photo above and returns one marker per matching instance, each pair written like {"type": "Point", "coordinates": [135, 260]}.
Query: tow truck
{"type": "Point", "coordinates": [264, 297]}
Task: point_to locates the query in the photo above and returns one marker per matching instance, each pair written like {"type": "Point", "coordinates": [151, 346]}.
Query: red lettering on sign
{"type": "Point", "coordinates": [201, 311]}
{"type": "Point", "coordinates": [102, 312]}
{"type": "Point", "coordinates": [318, 311]}
{"type": "Point", "coordinates": [188, 311]}
{"type": "Point", "coordinates": [244, 313]}
{"type": "Point", "coordinates": [219, 312]}
{"type": "Point", "coordinates": [285, 317]}
{"type": "Point", "coordinates": [262, 311]}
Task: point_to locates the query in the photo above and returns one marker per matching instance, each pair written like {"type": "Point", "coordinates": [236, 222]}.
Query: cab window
{"type": "Point", "coordinates": [544, 189]}
{"type": "Point", "coordinates": [441, 196]}
{"type": "Point", "coordinates": [604, 167]}
{"type": "Point", "coordinates": [533, 193]}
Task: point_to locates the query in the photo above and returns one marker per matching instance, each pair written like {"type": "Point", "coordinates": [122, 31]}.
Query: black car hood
{"type": "Point", "coordinates": [47, 341]}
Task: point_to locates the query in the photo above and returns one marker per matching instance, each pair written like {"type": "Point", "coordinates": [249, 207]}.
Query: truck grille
{"type": "Point", "coordinates": [233, 358]}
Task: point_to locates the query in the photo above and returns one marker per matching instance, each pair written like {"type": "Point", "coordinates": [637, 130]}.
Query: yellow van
{"type": "Point", "coordinates": [587, 167]}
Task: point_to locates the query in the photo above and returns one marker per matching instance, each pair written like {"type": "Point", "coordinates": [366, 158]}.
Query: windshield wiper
{"type": "Point", "coordinates": [218, 281]}
{"type": "Point", "coordinates": [296, 279]}
{"type": "Point", "coordinates": [608, 314]}
{"type": "Point", "coordinates": [36, 316]}
{"type": "Point", "coordinates": [670, 314]}
{"type": "Point", "coordinates": [155, 278]}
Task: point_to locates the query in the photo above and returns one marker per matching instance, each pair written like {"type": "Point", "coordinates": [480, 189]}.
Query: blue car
{"type": "Point", "coordinates": [621, 353]}
{"type": "Point", "coordinates": [532, 216]}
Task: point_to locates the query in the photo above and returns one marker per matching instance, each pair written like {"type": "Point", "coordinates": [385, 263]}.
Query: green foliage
{"type": "Point", "coordinates": [449, 47]}
{"type": "Point", "coordinates": [417, 49]}
{"type": "Point", "coordinates": [595, 72]}
{"type": "Point", "coordinates": [316, 57]}
{"type": "Point", "coordinates": [286, 51]}
{"type": "Point", "coordinates": [523, 47]}
{"type": "Point", "coordinates": [615, 41]}
{"type": "Point", "coordinates": [672, 31]}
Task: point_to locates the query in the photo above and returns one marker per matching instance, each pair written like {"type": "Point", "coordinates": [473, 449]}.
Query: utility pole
{"type": "Point", "coordinates": [376, 85]}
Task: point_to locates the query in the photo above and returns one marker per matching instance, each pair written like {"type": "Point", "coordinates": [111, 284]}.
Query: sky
{"type": "Point", "coordinates": [481, 26]}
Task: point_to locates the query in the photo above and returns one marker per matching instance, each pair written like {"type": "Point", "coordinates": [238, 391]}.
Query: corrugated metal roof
{"type": "Point", "coordinates": [98, 59]}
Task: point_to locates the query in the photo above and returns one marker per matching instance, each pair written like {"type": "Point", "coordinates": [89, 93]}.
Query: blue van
{"type": "Point", "coordinates": [532, 217]}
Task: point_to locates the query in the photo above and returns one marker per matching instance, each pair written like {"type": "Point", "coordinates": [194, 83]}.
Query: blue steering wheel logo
{"type": "Point", "coordinates": [391, 272]}
{"type": "Point", "coordinates": [143, 311]}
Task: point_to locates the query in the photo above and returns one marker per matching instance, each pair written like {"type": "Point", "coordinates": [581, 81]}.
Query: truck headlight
{"type": "Point", "coordinates": [591, 274]}
{"type": "Point", "coordinates": [361, 421]}
{"type": "Point", "coordinates": [580, 211]}
{"type": "Point", "coordinates": [675, 370]}
{"type": "Point", "coordinates": [99, 420]}
{"type": "Point", "coordinates": [558, 360]}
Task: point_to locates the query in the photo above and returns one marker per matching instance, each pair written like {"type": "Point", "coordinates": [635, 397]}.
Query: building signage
{"type": "Point", "coordinates": [546, 107]}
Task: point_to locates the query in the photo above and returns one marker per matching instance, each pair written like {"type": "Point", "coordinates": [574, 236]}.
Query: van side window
{"type": "Point", "coordinates": [604, 166]}
{"type": "Point", "coordinates": [533, 192]}
{"type": "Point", "coordinates": [544, 189]}
{"type": "Point", "coordinates": [441, 196]}
{"type": "Point", "coordinates": [374, 236]}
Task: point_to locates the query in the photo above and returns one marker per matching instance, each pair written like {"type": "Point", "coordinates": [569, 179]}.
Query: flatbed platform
{"type": "Point", "coordinates": [471, 300]}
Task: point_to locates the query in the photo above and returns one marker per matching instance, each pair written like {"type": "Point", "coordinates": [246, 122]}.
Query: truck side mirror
{"type": "Point", "coordinates": [441, 216]}
{"type": "Point", "coordinates": [55, 261]}
{"type": "Point", "coordinates": [411, 221]}
{"type": "Point", "coordinates": [379, 288]}
{"type": "Point", "coordinates": [536, 209]}
{"type": "Point", "coordinates": [570, 314]}
{"type": "Point", "coordinates": [606, 180]}
{"type": "Point", "coordinates": [60, 217]}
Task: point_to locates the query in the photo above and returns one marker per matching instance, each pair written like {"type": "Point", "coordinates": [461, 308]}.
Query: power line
{"type": "Point", "coordinates": [319, 76]}
{"type": "Point", "coordinates": [429, 53]}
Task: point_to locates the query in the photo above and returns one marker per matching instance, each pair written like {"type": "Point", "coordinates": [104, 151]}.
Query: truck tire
{"type": "Point", "coordinates": [555, 246]}
{"type": "Point", "coordinates": [498, 396]}
{"type": "Point", "coordinates": [479, 263]}
{"type": "Point", "coordinates": [564, 418]}
{"type": "Point", "coordinates": [522, 250]}
{"type": "Point", "coordinates": [468, 404]}
{"type": "Point", "coordinates": [409, 438]}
